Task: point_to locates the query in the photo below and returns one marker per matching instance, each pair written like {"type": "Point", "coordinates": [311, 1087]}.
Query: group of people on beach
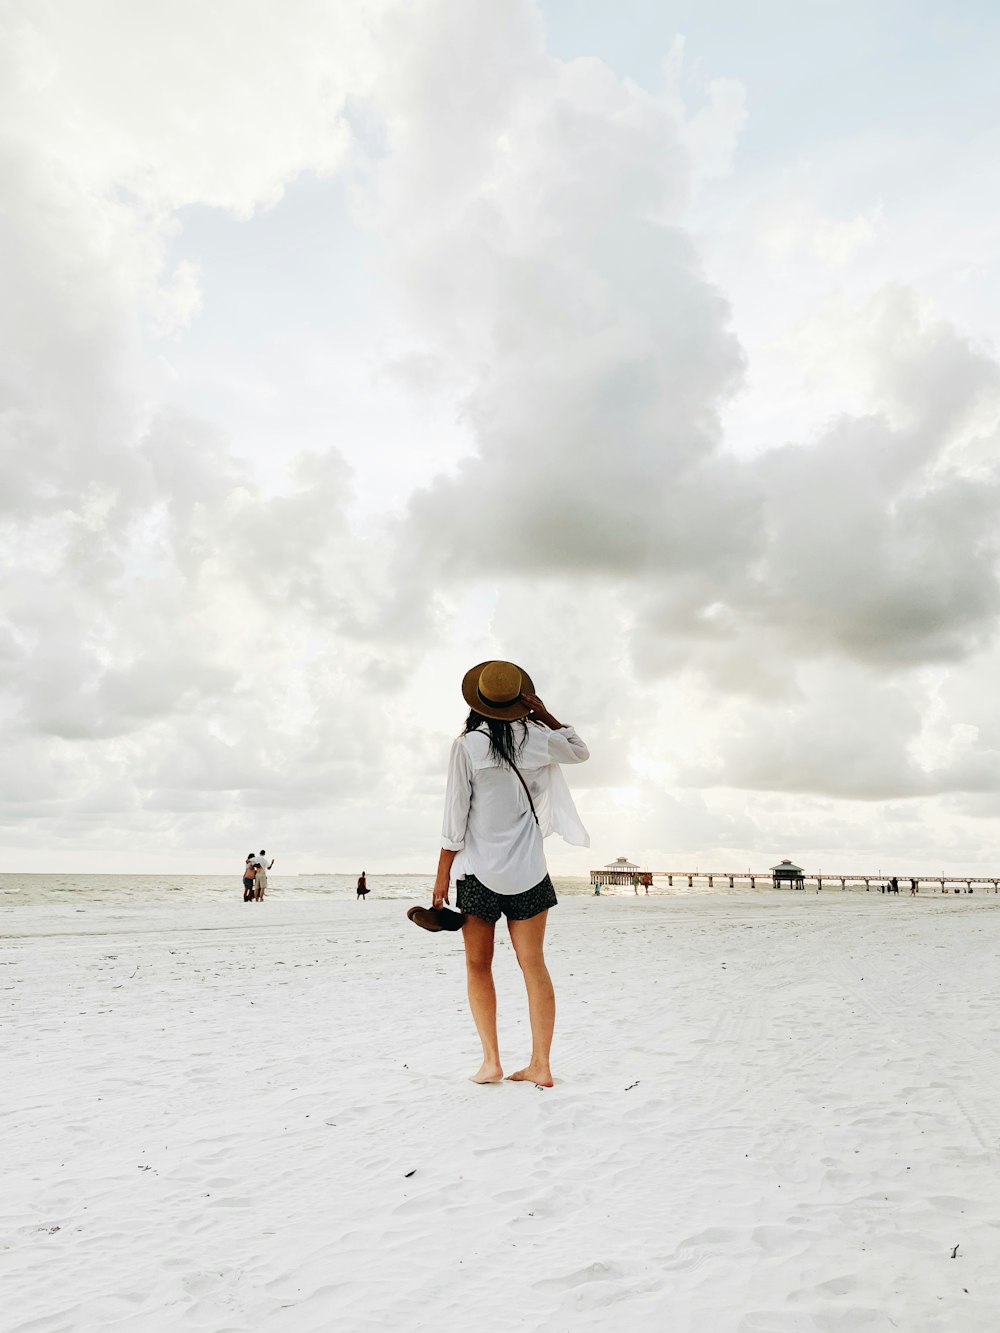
{"type": "Point", "coordinates": [255, 876]}
{"type": "Point", "coordinates": [892, 886]}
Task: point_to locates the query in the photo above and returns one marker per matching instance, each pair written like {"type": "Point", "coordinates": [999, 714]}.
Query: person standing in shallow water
{"type": "Point", "coordinates": [363, 888]}
{"type": "Point", "coordinates": [505, 794]}
{"type": "Point", "coordinates": [249, 875]}
{"type": "Point", "coordinates": [262, 866]}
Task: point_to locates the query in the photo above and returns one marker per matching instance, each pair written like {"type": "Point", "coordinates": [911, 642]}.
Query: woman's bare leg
{"type": "Point", "coordinates": [478, 937]}
{"type": "Point", "coordinates": [528, 938]}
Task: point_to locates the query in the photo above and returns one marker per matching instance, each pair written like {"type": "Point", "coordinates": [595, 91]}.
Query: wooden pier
{"type": "Point", "coordinates": [943, 883]}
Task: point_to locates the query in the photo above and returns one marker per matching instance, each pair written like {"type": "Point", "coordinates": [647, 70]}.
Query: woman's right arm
{"type": "Point", "coordinates": [442, 882]}
{"type": "Point", "coordinates": [457, 803]}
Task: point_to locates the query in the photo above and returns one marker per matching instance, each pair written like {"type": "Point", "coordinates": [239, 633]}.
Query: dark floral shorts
{"type": "Point", "coordinates": [476, 898]}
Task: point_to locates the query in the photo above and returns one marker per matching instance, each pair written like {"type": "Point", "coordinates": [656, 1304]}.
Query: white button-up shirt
{"type": "Point", "coordinates": [487, 818]}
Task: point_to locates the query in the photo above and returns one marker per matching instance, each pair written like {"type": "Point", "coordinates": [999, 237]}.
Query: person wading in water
{"type": "Point", "coordinates": [249, 875]}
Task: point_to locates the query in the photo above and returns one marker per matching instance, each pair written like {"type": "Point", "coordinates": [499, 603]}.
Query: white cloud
{"type": "Point", "coordinates": [198, 638]}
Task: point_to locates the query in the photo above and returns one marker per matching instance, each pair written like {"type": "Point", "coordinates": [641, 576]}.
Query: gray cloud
{"type": "Point", "coordinates": [597, 359]}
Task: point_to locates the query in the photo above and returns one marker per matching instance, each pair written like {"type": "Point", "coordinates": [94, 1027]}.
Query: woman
{"type": "Point", "coordinates": [505, 793]}
{"type": "Point", "coordinates": [249, 874]}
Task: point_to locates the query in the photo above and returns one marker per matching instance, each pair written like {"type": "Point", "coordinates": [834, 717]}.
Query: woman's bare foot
{"type": "Point", "coordinates": [540, 1075]}
{"type": "Point", "coordinates": [489, 1072]}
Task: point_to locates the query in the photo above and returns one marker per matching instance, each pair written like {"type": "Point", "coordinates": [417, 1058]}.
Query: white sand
{"type": "Point", "coordinates": [777, 1114]}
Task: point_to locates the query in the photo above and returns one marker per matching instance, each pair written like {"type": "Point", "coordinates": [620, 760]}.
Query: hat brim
{"type": "Point", "coordinates": [512, 712]}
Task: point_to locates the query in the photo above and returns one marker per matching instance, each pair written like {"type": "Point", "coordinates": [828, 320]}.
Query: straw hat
{"type": "Point", "coordinates": [494, 689]}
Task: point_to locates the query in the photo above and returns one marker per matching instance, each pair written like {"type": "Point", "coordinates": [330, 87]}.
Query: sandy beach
{"type": "Point", "coordinates": [776, 1113]}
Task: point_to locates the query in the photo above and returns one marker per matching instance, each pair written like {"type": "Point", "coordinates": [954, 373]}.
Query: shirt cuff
{"type": "Point", "coordinates": [450, 846]}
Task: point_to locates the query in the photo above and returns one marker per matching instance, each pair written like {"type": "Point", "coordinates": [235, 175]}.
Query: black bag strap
{"type": "Point", "coordinates": [526, 792]}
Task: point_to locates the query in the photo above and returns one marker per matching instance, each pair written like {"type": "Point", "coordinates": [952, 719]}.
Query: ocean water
{"type": "Point", "coordinates": [122, 890]}
{"type": "Point", "coordinates": [80, 891]}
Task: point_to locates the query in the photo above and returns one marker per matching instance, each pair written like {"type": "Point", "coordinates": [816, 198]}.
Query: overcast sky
{"type": "Point", "coordinates": [652, 345]}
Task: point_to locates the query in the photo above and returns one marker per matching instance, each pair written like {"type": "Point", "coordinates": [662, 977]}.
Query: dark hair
{"type": "Point", "coordinates": [503, 747]}
{"type": "Point", "coordinates": [251, 855]}
{"type": "Point", "coordinates": [262, 852]}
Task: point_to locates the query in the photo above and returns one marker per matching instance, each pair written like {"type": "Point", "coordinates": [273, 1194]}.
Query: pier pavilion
{"type": "Point", "coordinates": [788, 876]}
{"type": "Point", "coordinates": [619, 871]}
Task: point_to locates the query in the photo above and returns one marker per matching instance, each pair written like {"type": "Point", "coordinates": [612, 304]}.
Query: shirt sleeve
{"type": "Point", "coordinates": [566, 747]}
{"type": "Point", "coordinates": [457, 798]}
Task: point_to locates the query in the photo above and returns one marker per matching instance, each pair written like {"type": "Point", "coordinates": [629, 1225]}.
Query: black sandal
{"type": "Point", "coordinates": [436, 918]}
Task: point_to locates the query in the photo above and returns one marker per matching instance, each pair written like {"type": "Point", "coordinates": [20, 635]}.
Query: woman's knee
{"type": "Point", "coordinates": [530, 957]}
{"type": "Point", "coordinates": [478, 937]}
{"type": "Point", "coordinates": [528, 939]}
{"type": "Point", "coordinates": [479, 961]}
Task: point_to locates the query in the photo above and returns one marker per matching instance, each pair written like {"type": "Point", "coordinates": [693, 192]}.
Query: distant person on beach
{"type": "Point", "coordinates": [263, 865]}
{"type": "Point", "coordinates": [506, 792]}
{"type": "Point", "coordinates": [249, 875]}
{"type": "Point", "coordinates": [363, 888]}
{"type": "Point", "coordinates": [636, 881]}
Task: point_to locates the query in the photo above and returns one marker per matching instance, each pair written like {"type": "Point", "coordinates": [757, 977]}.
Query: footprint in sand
{"type": "Point", "coordinates": [595, 1272]}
